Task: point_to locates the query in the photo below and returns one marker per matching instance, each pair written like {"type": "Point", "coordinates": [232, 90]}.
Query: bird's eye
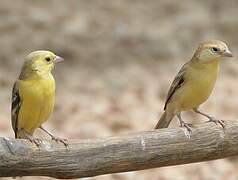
{"type": "Point", "coordinates": [215, 49]}
{"type": "Point", "coordinates": [47, 59]}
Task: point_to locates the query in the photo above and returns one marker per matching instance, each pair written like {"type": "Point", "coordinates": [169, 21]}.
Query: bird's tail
{"type": "Point", "coordinates": [164, 121]}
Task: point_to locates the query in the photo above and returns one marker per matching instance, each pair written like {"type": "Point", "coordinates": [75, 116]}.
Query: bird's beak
{"type": "Point", "coordinates": [227, 53]}
{"type": "Point", "coordinates": [58, 59]}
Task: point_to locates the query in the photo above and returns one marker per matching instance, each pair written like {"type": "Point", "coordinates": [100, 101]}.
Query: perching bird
{"type": "Point", "coordinates": [194, 83]}
{"type": "Point", "coordinates": [33, 96]}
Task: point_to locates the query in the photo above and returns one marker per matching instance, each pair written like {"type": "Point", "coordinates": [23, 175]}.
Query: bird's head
{"type": "Point", "coordinates": [212, 50]}
{"type": "Point", "coordinates": [41, 61]}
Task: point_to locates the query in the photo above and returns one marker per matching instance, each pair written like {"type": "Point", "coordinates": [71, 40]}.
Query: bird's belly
{"type": "Point", "coordinates": [194, 93]}
{"type": "Point", "coordinates": [37, 105]}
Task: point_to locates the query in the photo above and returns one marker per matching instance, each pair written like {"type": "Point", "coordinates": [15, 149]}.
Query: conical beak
{"type": "Point", "coordinates": [227, 53]}
{"type": "Point", "coordinates": [58, 59]}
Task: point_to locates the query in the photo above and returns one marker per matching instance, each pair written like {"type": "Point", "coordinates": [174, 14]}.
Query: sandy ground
{"type": "Point", "coordinates": [121, 57]}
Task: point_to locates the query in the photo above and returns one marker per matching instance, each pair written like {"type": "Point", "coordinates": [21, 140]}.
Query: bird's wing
{"type": "Point", "coordinates": [16, 104]}
{"type": "Point", "coordinates": [177, 83]}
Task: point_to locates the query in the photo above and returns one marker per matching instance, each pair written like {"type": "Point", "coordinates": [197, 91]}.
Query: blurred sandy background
{"type": "Point", "coordinates": [120, 58]}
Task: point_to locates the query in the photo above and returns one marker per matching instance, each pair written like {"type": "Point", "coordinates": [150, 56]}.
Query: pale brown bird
{"type": "Point", "coordinates": [194, 83]}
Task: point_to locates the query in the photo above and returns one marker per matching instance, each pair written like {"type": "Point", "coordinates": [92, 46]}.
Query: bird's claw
{"type": "Point", "coordinates": [217, 121]}
{"type": "Point", "coordinates": [187, 126]}
{"type": "Point", "coordinates": [60, 140]}
{"type": "Point", "coordinates": [36, 141]}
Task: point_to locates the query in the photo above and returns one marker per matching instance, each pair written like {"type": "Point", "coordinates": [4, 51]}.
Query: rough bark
{"type": "Point", "coordinates": [137, 151]}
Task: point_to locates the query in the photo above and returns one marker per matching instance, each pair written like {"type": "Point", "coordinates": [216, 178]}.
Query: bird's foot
{"type": "Point", "coordinates": [56, 139]}
{"type": "Point", "coordinates": [32, 139]}
{"type": "Point", "coordinates": [187, 126]}
{"type": "Point", "coordinates": [217, 121]}
{"type": "Point", "coordinates": [183, 124]}
{"type": "Point", "coordinates": [36, 141]}
{"type": "Point", "coordinates": [61, 140]}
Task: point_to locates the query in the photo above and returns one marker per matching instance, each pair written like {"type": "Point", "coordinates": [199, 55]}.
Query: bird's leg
{"type": "Point", "coordinates": [211, 119]}
{"type": "Point", "coordinates": [184, 124]}
{"type": "Point", "coordinates": [32, 139]}
{"type": "Point", "coordinates": [64, 141]}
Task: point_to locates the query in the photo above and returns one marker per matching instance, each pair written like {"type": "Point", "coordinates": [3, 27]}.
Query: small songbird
{"type": "Point", "coordinates": [33, 96]}
{"type": "Point", "coordinates": [194, 83]}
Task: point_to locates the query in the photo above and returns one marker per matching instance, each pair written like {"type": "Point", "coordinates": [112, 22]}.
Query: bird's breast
{"type": "Point", "coordinates": [38, 96]}
{"type": "Point", "coordinates": [197, 87]}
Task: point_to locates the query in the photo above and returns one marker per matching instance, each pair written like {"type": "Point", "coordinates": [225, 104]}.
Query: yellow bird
{"type": "Point", "coordinates": [194, 83]}
{"type": "Point", "coordinates": [33, 96]}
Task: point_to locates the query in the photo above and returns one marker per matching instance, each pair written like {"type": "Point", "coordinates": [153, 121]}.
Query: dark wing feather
{"type": "Point", "coordinates": [177, 83]}
{"type": "Point", "coordinates": [16, 103]}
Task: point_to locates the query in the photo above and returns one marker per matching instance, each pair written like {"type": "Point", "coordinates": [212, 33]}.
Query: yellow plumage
{"type": "Point", "coordinates": [197, 88]}
{"type": "Point", "coordinates": [33, 95]}
{"type": "Point", "coordinates": [194, 83]}
{"type": "Point", "coordinates": [38, 96]}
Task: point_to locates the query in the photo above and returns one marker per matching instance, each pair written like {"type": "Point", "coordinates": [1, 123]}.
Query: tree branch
{"type": "Point", "coordinates": [142, 150]}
